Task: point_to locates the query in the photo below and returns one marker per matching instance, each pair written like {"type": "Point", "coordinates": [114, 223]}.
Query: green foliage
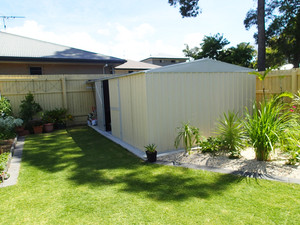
{"type": "Point", "coordinates": [188, 8]}
{"type": "Point", "coordinates": [214, 47]}
{"type": "Point", "coordinates": [262, 76]}
{"type": "Point", "coordinates": [3, 161]}
{"type": "Point", "coordinates": [7, 126]}
{"type": "Point", "coordinates": [292, 135]}
{"type": "Point", "coordinates": [230, 129]}
{"type": "Point", "coordinates": [188, 135]}
{"type": "Point", "coordinates": [266, 126]}
{"type": "Point", "coordinates": [211, 145]}
{"type": "Point", "coordinates": [5, 107]}
{"type": "Point", "coordinates": [282, 31]}
{"type": "Point", "coordinates": [29, 108]}
{"type": "Point", "coordinates": [150, 147]}
{"type": "Point", "coordinates": [57, 116]}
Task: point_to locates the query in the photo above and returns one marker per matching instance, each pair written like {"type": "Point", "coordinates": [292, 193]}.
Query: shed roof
{"type": "Point", "coordinates": [131, 64]}
{"type": "Point", "coordinates": [18, 48]}
{"type": "Point", "coordinates": [165, 56]}
{"type": "Point", "coordinates": [201, 65]}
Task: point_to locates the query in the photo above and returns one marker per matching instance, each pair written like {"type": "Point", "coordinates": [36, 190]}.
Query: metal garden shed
{"type": "Point", "coordinates": [146, 107]}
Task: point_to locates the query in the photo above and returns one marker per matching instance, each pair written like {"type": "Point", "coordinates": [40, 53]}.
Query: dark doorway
{"type": "Point", "coordinates": [106, 105]}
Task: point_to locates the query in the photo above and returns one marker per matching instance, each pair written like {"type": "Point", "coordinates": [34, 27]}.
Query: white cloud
{"type": "Point", "coordinates": [103, 31]}
{"type": "Point", "coordinates": [81, 40]}
{"type": "Point", "coordinates": [193, 39]}
{"type": "Point", "coordinates": [115, 40]}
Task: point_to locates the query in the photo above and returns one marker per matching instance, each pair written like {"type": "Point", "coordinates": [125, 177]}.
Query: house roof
{"type": "Point", "coordinates": [201, 65]}
{"type": "Point", "coordinates": [18, 48]}
{"type": "Point", "coordinates": [135, 65]}
{"type": "Point", "coordinates": [163, 56]}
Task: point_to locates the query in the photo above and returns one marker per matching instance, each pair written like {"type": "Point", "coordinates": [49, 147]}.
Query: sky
{"type": "Point", "coordinates": [132, 29]}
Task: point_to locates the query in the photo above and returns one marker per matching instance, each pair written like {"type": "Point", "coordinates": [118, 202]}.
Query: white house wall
{"type": "Point", "coordinates": [200, 98]}
{"type": "Point", "coordinates": [128, 109]}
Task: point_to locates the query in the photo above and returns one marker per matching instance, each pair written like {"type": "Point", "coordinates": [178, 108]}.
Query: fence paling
{"type": "Point", "coordinates": [58, 91]}
{"type": "Point", "coordinates": [277, 82]}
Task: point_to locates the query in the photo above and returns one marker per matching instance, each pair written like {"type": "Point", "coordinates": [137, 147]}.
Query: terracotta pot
{"type": "Point", "coordinates": [24, 133]}
{"type": "Point", "coordinates": [38, 129]}
{"type": "Point", "coordinates": [19, 130]}
{"type": "Point", "coordinates": [48, 127]}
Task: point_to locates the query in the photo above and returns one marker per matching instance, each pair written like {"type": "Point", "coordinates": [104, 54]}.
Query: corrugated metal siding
{"type": "Point", "coordinates": [200, 98]}
{"type": "Point", "coordinates": [100, 104]}
{"type": "Point", "coordinates": [129, 121]}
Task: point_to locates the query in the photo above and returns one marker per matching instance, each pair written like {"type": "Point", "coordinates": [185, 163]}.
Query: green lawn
{"type": "Point", "coordinates": [79, 177]}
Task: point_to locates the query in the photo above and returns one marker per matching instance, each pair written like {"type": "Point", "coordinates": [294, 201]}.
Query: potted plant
{"type": "Point", "coordinates": [37, 126]}
{"type": "Point", "coordinates": [151, 152]}
{"type": "Point", "coordinates": [48, 120]}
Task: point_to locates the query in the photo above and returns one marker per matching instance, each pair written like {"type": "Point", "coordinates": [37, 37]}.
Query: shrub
{"type": "Point", "coordinates": [7, 126]}
{"type": "Point", "coordinates": [57, 116]}
{"type": "Point", "coordinates": [189, 136]}
{"type": "Point", "coordinates": [5, 107]}
{"type": "Point", "coordinates": [211, 145]}
{"type": "Point", "coordinates": [29, 108]}
{"type": "Point", "coordinates": [3, 161]}
{"type": "Point", "coordinates": [266, 127]}
{"type": "Point", "coordinates": [230, 129]}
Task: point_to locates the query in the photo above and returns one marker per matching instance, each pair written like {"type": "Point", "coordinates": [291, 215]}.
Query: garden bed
{"type": "Point", "coordinates": [247, 163]}
{"type": "Point", "coordinates": [7, 148]}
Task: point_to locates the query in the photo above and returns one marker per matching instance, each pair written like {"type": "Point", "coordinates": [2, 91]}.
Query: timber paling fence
{"type": "Point", "coordinates": [52, 91]}
{"type": "Point", "coordinates": [78, 97]}
{"type": "Point", "coordinates": [278, 81]}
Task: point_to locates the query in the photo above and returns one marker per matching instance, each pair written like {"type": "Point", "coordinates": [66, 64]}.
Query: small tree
{"type": "Point", "coordinates": [188, 135]}
{"type": "Point", "coordinates": [231, 130]}
{"type": "Point", "coordinates": [29, 108]}
{"type": "Point", "coordinates": [267, 125]}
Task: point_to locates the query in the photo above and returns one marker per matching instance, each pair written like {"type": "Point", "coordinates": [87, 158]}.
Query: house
{"type": "Point", "coordinates": [146, 107]}
{"type": "Point", "coordinates": [27, 56]}
{"type": "Point", "coordinates": [164, 60]}
{"type": "Point", "coordinates": [133, 66]}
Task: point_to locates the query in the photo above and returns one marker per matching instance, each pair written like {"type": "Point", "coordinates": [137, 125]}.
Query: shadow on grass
{"type": "Point", "coordinates": [93, 160]}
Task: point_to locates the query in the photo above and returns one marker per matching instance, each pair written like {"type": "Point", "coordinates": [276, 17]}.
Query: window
{"type": "Point", "coordinates": [173, 61]}
{"type": "Point", "coordinates": [35, 70]}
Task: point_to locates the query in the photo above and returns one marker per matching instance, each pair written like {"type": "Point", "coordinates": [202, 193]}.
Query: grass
{"type": "Point", "coordinates": [79, 177]}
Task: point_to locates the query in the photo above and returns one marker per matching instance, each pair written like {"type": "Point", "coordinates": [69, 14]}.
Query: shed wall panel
{"type": "Point", "coordinates": [129, 111]}
{"type": "Point", "coordinates": [198, 98]}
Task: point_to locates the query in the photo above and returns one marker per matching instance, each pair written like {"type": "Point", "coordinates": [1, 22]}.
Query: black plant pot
{"type": "Point", "coordinates": [151, 156]}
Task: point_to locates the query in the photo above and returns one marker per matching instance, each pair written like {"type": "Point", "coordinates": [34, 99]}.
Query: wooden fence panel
{"type": "Point", "coordinates": [277, 82]}
{"type": "Point", "coordinates": [52, 91]}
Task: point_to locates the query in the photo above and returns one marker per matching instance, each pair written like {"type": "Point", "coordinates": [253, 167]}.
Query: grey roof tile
{"type": "Point", "coordinates": [15, 47]}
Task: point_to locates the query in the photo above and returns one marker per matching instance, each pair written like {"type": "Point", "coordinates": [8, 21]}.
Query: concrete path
{"type": "Point", "coordinates": [15, 163]}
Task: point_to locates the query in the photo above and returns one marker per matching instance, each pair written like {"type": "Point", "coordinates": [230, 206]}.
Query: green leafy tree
{"type": "Point", "coordinates": [214, 48]}
{"type": "Point", "coordinates": [283, 32]}
{"type": "Point", "coordinates": [188, 8]}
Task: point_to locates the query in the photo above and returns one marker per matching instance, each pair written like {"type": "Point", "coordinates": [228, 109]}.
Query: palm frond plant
{"type": "Point", "coordinates": [262, 76]}
{"type": "Point", "coordinates": [266, 127]}
{"type": "Point", "coordinates": [231, 131]}
{"type": "Point", "coordinates": [188, 135]}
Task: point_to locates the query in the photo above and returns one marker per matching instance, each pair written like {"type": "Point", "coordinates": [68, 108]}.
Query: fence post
{"type": "Point", "coordinates": [64, 92]}
{"type": "Point", "coordinates": [294, 81]}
